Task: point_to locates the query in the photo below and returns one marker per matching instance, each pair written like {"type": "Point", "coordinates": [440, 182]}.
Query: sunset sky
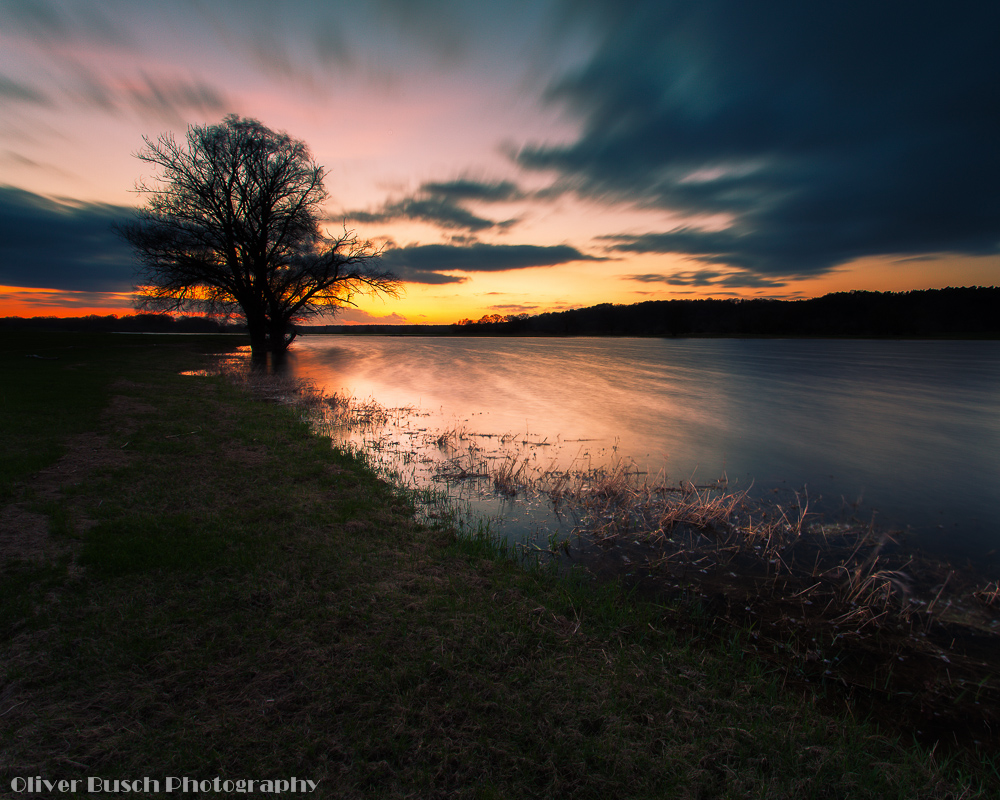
{"type": "Point", "coordinates": [525, 156]}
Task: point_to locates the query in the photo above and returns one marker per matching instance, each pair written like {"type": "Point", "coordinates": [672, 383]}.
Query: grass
{"type": "Point", "coordinates": [194, 584]}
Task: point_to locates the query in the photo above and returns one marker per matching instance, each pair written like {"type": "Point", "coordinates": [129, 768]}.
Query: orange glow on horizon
{"type": "Point", "coordinates": [541, 290]}
{"type": "Point", "coordinates": [19, 301]}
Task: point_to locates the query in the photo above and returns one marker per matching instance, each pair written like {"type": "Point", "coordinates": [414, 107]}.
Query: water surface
{"type": "Point", "coordinates": [907, 431]}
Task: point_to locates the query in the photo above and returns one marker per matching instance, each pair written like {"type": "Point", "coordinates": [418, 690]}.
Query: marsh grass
{"type": "Point", "coordinates": [241, 599]}
{"type": "Point", "coordinates": [854, 606]}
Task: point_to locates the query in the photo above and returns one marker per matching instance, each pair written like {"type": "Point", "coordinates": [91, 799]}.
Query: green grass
{"type": "Point", "coordinates": [221, 593]}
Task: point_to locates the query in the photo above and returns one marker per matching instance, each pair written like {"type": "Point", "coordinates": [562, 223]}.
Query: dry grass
{"type": "Point", "coordinates": [989, 595]}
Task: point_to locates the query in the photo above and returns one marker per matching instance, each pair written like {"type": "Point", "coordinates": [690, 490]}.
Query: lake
{"type": "Point", "coordinates": [905, 431]}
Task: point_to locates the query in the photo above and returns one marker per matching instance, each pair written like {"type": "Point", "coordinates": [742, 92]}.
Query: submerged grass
{"type": "Point", "coordinates": [202, 587]}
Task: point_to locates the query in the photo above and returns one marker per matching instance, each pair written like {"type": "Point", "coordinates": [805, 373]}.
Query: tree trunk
{"type": "Point", "coordinates": [258, 342]}
{"type": "Point", "coordinates": [280, 334]}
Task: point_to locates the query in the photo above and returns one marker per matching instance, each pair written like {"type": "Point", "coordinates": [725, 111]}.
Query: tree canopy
{"type": "Point", "coordinates": [232, 227]}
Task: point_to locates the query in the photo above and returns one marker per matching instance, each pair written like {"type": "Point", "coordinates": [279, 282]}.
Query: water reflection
{"type": "Point", "coordinates": [910, 428]}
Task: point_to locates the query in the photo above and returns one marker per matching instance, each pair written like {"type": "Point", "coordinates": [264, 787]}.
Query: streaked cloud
{"type": "Point", "coordinates": [467, 189]}
{"type": "Point", "coordinates": [515, 308]}
{"type": "Point", "coordinates": [12, 91]}
{"type": "Point", "coordinates": [51, 22]}
{"type": "Point", "coordinates": [440, 204]}
{"type": "Point", "coordinates": [435, 210]}
{"type": "Point", "coordinates": [707, 277]}
{"type": "Point", "coordinates": [426, 263]}
{"type": "Point", "coordinates": [172, 98]}
{"type": "Point", "coordinates": [41, 302]}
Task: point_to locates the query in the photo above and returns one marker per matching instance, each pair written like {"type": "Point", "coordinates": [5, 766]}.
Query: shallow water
{"type": "Point", "coordinates": [907, 431]}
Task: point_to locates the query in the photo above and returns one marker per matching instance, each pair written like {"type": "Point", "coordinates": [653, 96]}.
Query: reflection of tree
{"type": "Point", "coordinates": [233, 227]}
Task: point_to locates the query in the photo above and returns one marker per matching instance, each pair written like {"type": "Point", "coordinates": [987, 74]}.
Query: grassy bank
{"type": "Point", "coordinates": [194, 585]}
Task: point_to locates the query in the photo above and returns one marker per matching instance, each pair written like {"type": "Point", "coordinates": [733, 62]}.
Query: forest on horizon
{"type": "Point", "coordinates": [967, 312]}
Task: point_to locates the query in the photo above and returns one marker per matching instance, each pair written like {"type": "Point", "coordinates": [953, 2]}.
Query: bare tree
{"type": "Point", "coordinates": [231, 227]}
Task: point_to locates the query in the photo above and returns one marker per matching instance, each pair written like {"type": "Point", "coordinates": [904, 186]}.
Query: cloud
{"type": "Point", "coordinates": [707, 277]}
{"type": "Point", "coordinates": [170, 98]}
{"type": "Point", "coordinates": [438, 204]}
{"type": "Point", "coordinates": [50, 23]}
{"type": "Point", "coordinates": [437, 211]}
{"type": "Point", "coordinates": [164, 98]}
{"type": "Point", "coordinates": [167, 98]}
{"type": "Point", "coordinates": [16, 92]}
{"type": "Point", "coordinates": [44, 302]}
{"type": "Point", "coordinates": [82, 47]}
{"type": "Point", "coordinates": [305, 43]}
{"type": "Point", "coordinates": [515, 308]}
{"type": "Point", "coordinates": [355, 316]}
{"type": "Point", "coordinates": [823, 132]}
{"type": "Point", "coordinates": [732, 248]}
{"type": "Point", "coordinates": [465, 189]}
{"type": "Point", "coordinates": [426, 263]}
{"type": "Point", "coordinates": [60, 245]}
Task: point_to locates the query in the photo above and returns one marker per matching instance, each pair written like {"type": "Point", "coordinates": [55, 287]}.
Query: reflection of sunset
{"type": "Point", "coordinates": [825, 415]}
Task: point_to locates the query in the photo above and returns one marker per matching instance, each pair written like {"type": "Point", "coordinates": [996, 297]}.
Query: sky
{"type": "Point", "coordinates": [524, 156]}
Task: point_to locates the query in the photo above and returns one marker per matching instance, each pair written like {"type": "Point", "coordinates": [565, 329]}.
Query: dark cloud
{"type": "Point", "coordinates": [51, 245]}
{"type": "Point", "coordinates": [439, 204]}
{"type": "Point", "coordinates": [425, 263]}
{"type": "Point", "coordinates": [825, 132]}
{"type": "Point", "coordinates": [409, 274]}
{"type": "Point", "coordinates": [464, 189]}
{"type": "Point", "coordinates": [435, 210]}
{"type": "Point", "coordinates": [737, 248]}
{"type": "Point", "coordinates": [707, 277]}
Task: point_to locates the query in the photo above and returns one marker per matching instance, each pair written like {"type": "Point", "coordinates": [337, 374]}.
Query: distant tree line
{"type": "Point", "coordinates": [134, 323]}
{"type": "Point", "coordinates": [964, 312]}
{"type": "Point", "coordinates": [970, 312]}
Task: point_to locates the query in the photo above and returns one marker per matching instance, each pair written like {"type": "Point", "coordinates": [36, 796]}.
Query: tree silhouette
{"type": "Point", "coordinates": [231, 227]}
